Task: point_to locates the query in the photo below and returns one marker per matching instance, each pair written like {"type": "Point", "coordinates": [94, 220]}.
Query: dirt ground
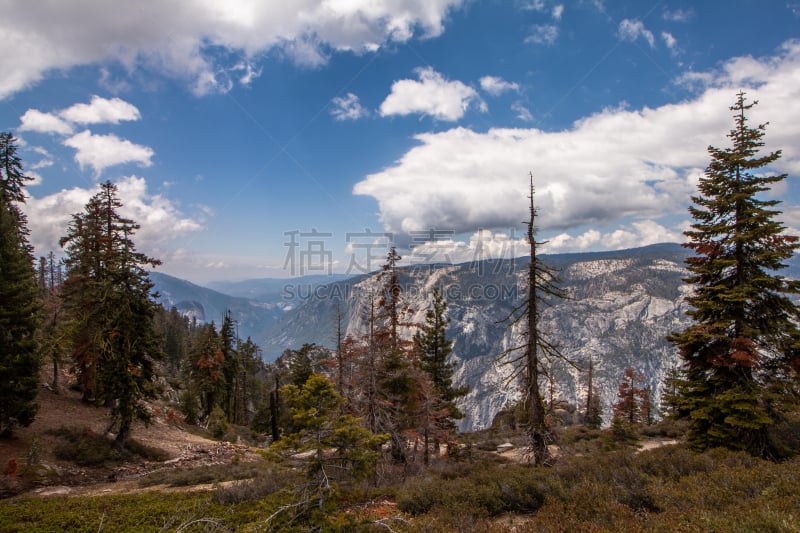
{"type": "Point", "coordinates": [166, 432]}
{"type": "Point", "coordinates": [186, 450]}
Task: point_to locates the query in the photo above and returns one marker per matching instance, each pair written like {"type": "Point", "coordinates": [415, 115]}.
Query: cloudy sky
{"type": "Point", "coordinates": [266, 138]}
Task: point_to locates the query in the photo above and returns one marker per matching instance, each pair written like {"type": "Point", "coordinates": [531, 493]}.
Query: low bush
{"type": "Point", "coordinates": [209, 474]}
{"type": "Point", "coordinates": [667, 428]}
{"type": "Point", "coordinates": [476, 489]}
{"type": "Point", "coordinates": [84, 447]}
{"type": "Point", "coordinates": [267, 481]}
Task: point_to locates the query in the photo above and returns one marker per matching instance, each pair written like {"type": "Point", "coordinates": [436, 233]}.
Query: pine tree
{"type": "Point", "coordinates": [52, 339]}
{"type": "Point", "coordinates": [432, 349]}
{"type": "Point", "coordinates": [83, 288]}
{"type": "Point", "coordinates": [318, 425]}
{"type": "Point", "coordinates": [206, 374]}
{"type": "Point", "coordinates": [744, 344]}
{"type": "Point", "coordinates": [19, 298]}
{"type": "Point", "coordinates": [108, 293]}
{"type": "Point", "coordinates": [231, 366]}
{"type": "Point", "coordinates": [670, 392]}
{"type": "Point", "coordinates": [594, 409]}
{"type": "Point", "coordinates": [633, 399]}
{"type": "Point", "coordinates": [395, 383]}
{"type": "Point", "coordinates": [301, 367]}
{"type": "Point", "coordinates": [542, 286]}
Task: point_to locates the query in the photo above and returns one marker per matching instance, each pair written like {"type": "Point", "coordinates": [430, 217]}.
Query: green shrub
{"type": "Point", "coordinates": [86, 448]}
{"type": "Point", "coordinates": [190, 406]}
{"type": "Point", "coordinates": [217, 424]}
{"type": "Point", "coordinates": [667, 428]}
{"type": "Point", "coordinates": [267, 480]}
{"type": "Point", "coordinates": [784, 437]}
{"type": "Point", "coordinates": [476, 489]}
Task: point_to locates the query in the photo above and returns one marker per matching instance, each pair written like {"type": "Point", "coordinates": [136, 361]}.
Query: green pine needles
{"type": "Point", "coordinates": [742, 353]}
{"type": "Point", "coordinates": [20, 301]}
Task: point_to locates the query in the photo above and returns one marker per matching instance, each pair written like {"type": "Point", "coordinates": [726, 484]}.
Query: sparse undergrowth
{"type": "Point", "coordinates": [86, 448]}
{"type": "Point", "coordinates": [217, 473]}
{"type": "Point", "coordinates": [666, 489]}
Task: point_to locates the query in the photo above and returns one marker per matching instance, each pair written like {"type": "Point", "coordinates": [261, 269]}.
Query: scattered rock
{"type": "Point", "coordinates": [506, 446]}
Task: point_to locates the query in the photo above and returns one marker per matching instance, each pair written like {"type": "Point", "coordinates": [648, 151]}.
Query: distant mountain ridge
{"type": "Point", "coordinates": [271, 290]}
{"type": "Point", "coordinates": [255, 304]}
{"type": "Point", "coordinates": [621, 306]}
{"type": "Point", "coordinates": [207, 305]}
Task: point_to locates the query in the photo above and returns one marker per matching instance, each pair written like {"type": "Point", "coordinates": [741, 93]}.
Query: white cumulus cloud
{"type": "Point", "coordinates": [103, 151]}
{"type": "Point", "coordinates": [669, 40]}
{"type": "Point", "coordinates": [160, 219]}
{"type": "Point", "coordinates": [179, 37]}
{"type": "Point", "coordinates": [101, 110]}
{"type": "Point", "coordinates": [496, 85]}
{"type": "Point", "coordinates": [348, 107]}
{"type": "Point", "coordinates": [639, 233]}
{"type": "Point", "coordinates": [616, 166]}
{"type": "Point", "coordinates": [678, 15]}
{"type": "Point", "coordinates": [38, 121]}
{"type": "Point", "coordinates": [523, 113]}
{"type": "Point", "coordinates": [631, 30]}
{"type": "Point", "coordinates": [431, 94]}
{"type": "Point", "coordinates": [545, 34]}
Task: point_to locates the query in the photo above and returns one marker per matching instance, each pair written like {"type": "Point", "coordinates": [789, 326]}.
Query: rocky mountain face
{"type": "Point", "coordinates": [620, 307]}
{"type": "Point", "coordinates": [206, 305]}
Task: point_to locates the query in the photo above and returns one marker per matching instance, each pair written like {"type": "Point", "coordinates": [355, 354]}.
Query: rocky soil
{"type": "Point", "coordinates": [34, 445]}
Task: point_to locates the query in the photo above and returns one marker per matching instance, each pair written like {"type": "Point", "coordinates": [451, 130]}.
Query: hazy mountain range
{"type": "Point", "coordinates": [621, 305]}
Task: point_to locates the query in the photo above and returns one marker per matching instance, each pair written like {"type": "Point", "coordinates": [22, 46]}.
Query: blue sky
{"type": "Point", "coordinates": [238, 129]}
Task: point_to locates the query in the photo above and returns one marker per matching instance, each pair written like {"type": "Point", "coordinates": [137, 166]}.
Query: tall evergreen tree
{"type": "Point", "coordinates": [232, 366]}
{"type": "Point", "coordinates": [594, 409]}
{"type": "Point", "coordinates": [52, 340]}
{"type": "Point", "coordinates": [633, 399]}
{"type": "Point", "coordinates": [542, 287]}
{"type": "Point", "coordinates": [114, 320]}
{"type": "Point", "coordinates": [206, 371]}
{"type": "Point", "coordinates": [394, 401]}
{"type": "Point", "coordinates": [432, 349]}
{"type": "Point", "coordinates": [19, 298]}
{"type": "Point", "coordinates": [86, 278]}
{"type": "Point", "coordinates": [744, 343]}
{"type": "Point", "coordinates": [670, 392]}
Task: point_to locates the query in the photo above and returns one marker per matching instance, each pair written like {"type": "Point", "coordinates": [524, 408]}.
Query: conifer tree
{"type": "Point", "coordinates": [341, 450]}
{"type": "Point", "coordinates": [207, 370]}
{"type": "Point", "coordinates": [633, 399]}
{"type": "Point", "coordinates": [395, 400]}
{"type": "Point", "coordinates": [86, 278]}
{"type": "Point", "coordinates": [432, 349]}
{"type": "Point", "coordinates": [542, 286]}
{"type": "Point", "coordinates": [52, 340]}
{"type": "Point", "coordinates": [19, 298]}
{"type": "Point", "coordinates": [231, 366]}
{"type": "Point", "coordinates": [594, 409]}
{"type": "Point", "coordinates": [743, 347]}
{"type": "Point", "coordinates": [670, 392]}
{"type": "Point", "coordinates": [108, 293]}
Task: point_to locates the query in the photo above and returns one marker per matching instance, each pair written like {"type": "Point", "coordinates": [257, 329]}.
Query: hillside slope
{"type": "Point", "coordinates": [621, 306]}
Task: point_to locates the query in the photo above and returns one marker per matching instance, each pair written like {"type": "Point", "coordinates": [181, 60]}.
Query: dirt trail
{"type": "Point", "coordinates": [186, 450]}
